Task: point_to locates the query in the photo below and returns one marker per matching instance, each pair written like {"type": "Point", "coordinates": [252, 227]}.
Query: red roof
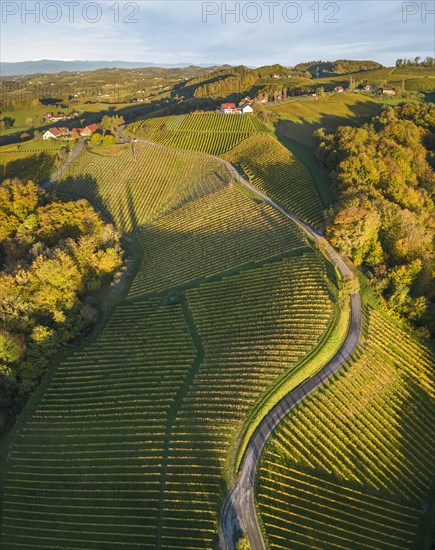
{"type": "Point", "coordinates": [92, 127]}
{"type": "Point", "coordinates": [228, 106]}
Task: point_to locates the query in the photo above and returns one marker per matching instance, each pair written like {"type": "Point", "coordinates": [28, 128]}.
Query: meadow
{"type": "Point", "coordinates": [352, 465]}
{"type": "Point", "coordinates": [301, 117]}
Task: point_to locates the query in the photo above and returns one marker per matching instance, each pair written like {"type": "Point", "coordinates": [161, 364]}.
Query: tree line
{"type": "Point", "coordinates": [384, 215]}
{"type": "Point", "coordinates": [54, 257]}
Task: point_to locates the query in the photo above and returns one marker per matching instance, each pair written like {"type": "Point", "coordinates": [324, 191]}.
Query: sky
{"type": "Point", "coordinates": [191, 31]}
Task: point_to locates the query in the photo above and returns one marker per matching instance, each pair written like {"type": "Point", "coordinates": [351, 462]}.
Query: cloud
{"type": "Point", "coordinates": [174, 32]}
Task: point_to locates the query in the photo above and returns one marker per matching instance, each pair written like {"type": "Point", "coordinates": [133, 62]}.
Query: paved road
{"type": "Point", "coordinates": [80, 145]}
{"type": "Point", "coordinates": [239, 511]}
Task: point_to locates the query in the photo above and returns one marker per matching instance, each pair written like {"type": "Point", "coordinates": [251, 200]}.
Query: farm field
{"type": "Point", "coordinates": [277, 172]}
{"type": "Point", "coordinates": [210, 133]}
{"type": "Point", "coordinates": [219, 232]}
{"type": "Point", "coordinates": [134, 184]}
{"type": "Point", "coordinates": [353, 464]}
{"type": "Point", "coordinates": [35, 165]}
{"type": "Point", "coordinates": [127, 445]}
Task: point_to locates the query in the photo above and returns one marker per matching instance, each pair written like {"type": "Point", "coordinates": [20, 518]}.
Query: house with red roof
{"type": "Point", "coordinates": [89, 130]}
{"type": "Point", "coordinates": [228, 108]}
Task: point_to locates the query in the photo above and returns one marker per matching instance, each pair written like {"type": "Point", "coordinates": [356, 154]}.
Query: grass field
{"type": "Point", "coordinates": [352, 466]}
{"type": "Point", "coordinates": [301, 117]}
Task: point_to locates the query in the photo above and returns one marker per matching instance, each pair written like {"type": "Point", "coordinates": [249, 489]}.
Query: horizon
{"type": "Point", "coordinates": [233, 33]}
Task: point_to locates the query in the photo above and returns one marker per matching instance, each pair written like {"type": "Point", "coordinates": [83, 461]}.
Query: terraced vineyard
{"type": "Point", "coordinates": [218, 232]}
{"type": "Point", "coordinates": [27, 165]}
{"type": "Point", "coordinates": [134, 184]}
{"type": "Point", "coordinates": [269, 318]}
{"type": "Point", "coordinates": [209, 133]}
{"type": "Point", "coordinates": [352, 466]}
{"type": "Point", "coordinates": [86, 472]}
{"type": "Point", "coordinates": [128, 442]}
{"type": "Point", "coordinates": [274, 170]}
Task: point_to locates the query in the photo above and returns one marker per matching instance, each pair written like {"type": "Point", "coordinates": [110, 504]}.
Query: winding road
{"type": "Point", "coordinates": [239, 512]}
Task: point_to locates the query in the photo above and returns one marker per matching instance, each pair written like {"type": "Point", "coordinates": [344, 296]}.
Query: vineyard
{"type": "Point", "coordinates": [139, 182]}
{"type": "Point", "coordinates": [210, 133]}
{"type": "Point", "coordinates": [269, 318]}
{"type": "Point", "coordinates": [273, 169]}
{"type": "Point", "coordinates": [127, 445]}
{"type": "Point", "coordinates": [34, 165]}
{"type": "Point", "coordinates": [352, 466]}
{"type": "Point", "coordinates": [86, 471]}
{"type": "Point", "coordinates": [216, 233]}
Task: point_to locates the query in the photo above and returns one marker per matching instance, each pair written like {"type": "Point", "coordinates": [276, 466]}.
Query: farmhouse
{"type": "Point", "coordinates": [388, 91]}
{"type": "Point", "coordinates": [339, 89]}
{"type": "Point", "coordinates": [228, 108]}
{"type": "Point", "coordinates": [89, 130]}
{"type": "Point", "coordinates": [369, 88]}
{"type": "Point", "coordinates": [247, 109]}
{"type": "Point", "coordinates": [54, 133]}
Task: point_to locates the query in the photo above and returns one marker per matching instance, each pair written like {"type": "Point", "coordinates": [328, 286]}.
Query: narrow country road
{"type": "Point", "coordinates": [80, 145]}
{"type": "Point", "coordinates": [239, 512]}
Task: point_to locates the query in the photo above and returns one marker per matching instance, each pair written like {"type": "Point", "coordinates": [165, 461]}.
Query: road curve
{"type": "Point", "coordinates": [238, 512]}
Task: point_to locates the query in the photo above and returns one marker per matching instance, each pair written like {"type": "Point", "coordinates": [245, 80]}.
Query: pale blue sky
{"type": "Point", "coordinates": [180, 32]}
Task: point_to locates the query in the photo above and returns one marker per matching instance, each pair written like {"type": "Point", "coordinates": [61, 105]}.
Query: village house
{"type": "Point", "coordinates": [388, 91]}
{"type": "Point", "coordinates": [247, 109]}
{"type": "Point", "coordinates": [54, 133]}
{"type": "Point", "coordinates": [228, 108]}
{"type": "Point", "coordinates": [75, 133]}
{"type": "Point", "coordinates": [369, 88]}
{"type": "Point", "coordinates": [87, 131]}
{"type": "Point", "coordinates": [339, 89]}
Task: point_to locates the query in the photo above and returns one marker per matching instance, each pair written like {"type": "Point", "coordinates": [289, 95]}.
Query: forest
{"type": "Point", "coordinates": [383, 218]}
{"type": "Point", "coordinates": [54, 258]}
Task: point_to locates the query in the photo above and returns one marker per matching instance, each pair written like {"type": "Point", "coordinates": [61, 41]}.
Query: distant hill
{"type": "Point", "coordinates": [57, 66]}
{"type": "Point", "coordinates": [341, 66]}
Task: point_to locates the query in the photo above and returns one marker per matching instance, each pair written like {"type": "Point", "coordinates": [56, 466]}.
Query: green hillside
{"type": "Point", "coordinates": [353, 465]}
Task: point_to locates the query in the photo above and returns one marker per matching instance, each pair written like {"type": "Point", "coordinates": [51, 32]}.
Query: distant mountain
{"type": "Point", "coordinates": [56, 66]}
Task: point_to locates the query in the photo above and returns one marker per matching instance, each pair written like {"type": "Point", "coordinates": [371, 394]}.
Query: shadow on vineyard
{"type": "Point", "coordinates": [35, 167]}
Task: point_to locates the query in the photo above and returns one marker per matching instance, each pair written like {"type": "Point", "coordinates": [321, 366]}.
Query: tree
{"type": "Point", "coordinates": [109, 139]}
{"type": "Point", "coordinates": [11, 347]}
{"type": "Point", "coordinates": [96, 138]}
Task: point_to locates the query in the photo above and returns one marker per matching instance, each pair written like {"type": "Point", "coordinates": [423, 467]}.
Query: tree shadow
{"type": "Point", "coordinates": [36, 167]}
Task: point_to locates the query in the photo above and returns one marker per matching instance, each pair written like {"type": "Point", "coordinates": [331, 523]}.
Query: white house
{"type": "Point", "coordinates": [52, 133]}
{"type": "Point", "coordinates": [247, 109]}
